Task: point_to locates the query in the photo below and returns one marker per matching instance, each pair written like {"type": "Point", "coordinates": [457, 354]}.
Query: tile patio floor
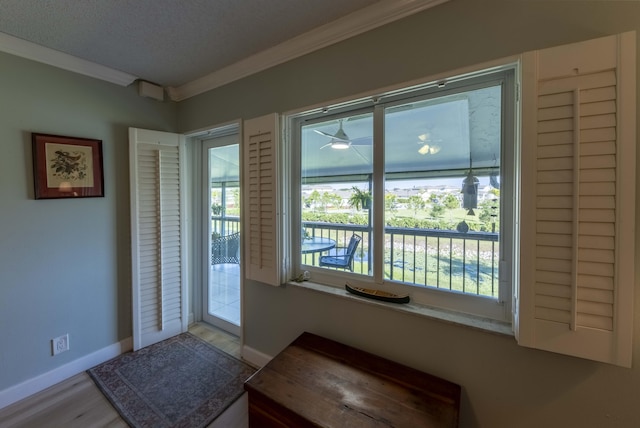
{"type": "Point", "coordinates": [224, 292]}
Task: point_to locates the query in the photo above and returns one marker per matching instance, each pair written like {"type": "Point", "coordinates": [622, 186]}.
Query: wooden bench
{"type": "Point", "coordinates": [317, 382]}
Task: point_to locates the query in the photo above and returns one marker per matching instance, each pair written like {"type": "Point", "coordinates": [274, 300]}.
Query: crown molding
{"type": "Point", "coordinates": [35, 52]}
{"type": "Point", "coordinates": [376, 15]}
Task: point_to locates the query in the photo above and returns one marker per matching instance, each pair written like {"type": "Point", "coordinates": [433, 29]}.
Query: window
{"type": "Point", "coordinates": [564, 237]}
{"type": "Point", "coordinates": [419, 177]}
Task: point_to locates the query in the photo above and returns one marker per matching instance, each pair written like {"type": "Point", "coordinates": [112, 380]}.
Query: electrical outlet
{"type": "Point", "coordinates": [60, 344]}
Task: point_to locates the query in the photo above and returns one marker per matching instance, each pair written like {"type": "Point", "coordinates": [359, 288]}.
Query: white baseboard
{"type": "Point", "coordinates": [255, 357]}
{"type": "Point", "coordinates": [57, 375]}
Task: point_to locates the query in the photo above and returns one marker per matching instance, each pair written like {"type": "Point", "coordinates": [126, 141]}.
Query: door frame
{"type": "Point", "coordinates": [200, 226]}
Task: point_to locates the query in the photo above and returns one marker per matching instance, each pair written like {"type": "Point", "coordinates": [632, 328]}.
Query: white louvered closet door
{"type": "Point", "coordinates": [262, 259]}
{"type": "Point", "coordinates": [578, 192]}
{"type": "Point", "coordinates": [157, 234]}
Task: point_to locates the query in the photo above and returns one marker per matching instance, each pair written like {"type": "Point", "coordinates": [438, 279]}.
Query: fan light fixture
{"type": "Point", "coordinates": [340, 145]}
{"type": "Point", "coordinates": [341, 141]}
{"type": "Point", "coordinates": [427, 148]}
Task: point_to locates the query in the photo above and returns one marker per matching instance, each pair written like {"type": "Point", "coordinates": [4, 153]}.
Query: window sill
{"type": "Point", "coordinates": [475, 322]}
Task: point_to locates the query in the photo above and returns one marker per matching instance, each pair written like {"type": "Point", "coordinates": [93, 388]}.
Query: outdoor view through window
{"type": "Point", "coordinates": [441, 187]}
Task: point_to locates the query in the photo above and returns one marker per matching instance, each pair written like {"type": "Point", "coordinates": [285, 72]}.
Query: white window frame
{"type": "Point", "coordinates": [500, 310]}
{"type": "Point", "coordinates": [597, 322]}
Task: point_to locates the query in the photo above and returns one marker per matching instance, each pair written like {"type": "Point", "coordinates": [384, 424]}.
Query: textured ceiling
{"type": "Point", "coordinates": [168, 42]}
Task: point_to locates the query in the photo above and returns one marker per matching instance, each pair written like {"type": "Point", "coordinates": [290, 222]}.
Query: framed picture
{"type": "Point", "coordinates": [67, 167]}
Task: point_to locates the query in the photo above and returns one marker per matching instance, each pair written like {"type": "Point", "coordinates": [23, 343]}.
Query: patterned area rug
{"type": "Point", "coordinates": [179, 382]}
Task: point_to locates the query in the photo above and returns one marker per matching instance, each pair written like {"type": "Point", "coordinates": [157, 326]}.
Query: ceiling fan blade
{"type": "Point", "coordinates": [362, 141]}
{"type": "Point", "coordinates": [339, 135]}
{"type": "Point", "coordinates": [323, 133]}
{"type": "Point", "coordinates": [326, 145]}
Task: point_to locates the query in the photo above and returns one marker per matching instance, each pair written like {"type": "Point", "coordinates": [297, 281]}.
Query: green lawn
{"type": "Point", "coordinates": [446, 269]}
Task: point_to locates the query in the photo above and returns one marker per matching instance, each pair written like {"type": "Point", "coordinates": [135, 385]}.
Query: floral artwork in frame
{"type": "Point", "coordinates": [67, 167]}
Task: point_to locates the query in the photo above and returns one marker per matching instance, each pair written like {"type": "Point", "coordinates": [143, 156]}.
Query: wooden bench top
{"type": "Point", "coordinates": [322, 383]}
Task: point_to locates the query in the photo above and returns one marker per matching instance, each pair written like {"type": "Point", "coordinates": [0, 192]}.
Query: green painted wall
{"type": "Point", "coordinates": [455, 34]}
{"type": "Point", "coordinates": [64, 264]}
{"type": "Point", "coordinates": [504, 385]}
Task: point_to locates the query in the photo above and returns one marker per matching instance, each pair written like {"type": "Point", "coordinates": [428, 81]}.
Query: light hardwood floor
{"type": "Point", "coordinates": [77, 402]}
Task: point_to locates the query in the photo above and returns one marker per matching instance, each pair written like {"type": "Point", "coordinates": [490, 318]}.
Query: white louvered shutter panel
{"type": "Point", "coordinates": [577, 199]}
{"type": "Point", "coordinates": [157, 231]}
{"type": "Point", "coordinates": [261, 207]}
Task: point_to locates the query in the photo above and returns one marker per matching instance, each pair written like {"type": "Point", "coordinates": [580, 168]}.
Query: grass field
{"type": "Point", "coordinates": [464, 265]}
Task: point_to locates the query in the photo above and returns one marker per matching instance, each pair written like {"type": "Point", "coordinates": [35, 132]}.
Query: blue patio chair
{"type": "Point", "coordinates": [344, 260]}
{"type": "Point", "coordinates": [226, 249]}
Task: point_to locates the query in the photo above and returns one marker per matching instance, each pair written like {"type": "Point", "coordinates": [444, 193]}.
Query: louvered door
{"type": "Point", "coordinates": [577, 200]}
{"type": "Point", "coordinates": [157, 232]}
{"type": "Point", "coordinates": [261, 207]}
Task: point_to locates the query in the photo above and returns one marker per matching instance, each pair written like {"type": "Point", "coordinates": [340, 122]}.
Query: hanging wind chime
{"type": "Point", "coordinates": [470, 193]}
{"type": "Point", "coordinates": [469, 196]}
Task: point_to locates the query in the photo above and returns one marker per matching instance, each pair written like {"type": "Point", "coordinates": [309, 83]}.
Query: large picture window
{"type": "Point", "coordinates": [407, 192]}
{"type": "Point", "coordinates": [430, 191]}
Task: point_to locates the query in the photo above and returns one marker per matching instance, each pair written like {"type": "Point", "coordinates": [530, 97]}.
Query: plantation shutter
{"type": "Point", "coordinates": [261, 243]}
{"type": "Point", "coordinates": [157, 234]}
{"type": "Point", "coordinates": [578, 199]}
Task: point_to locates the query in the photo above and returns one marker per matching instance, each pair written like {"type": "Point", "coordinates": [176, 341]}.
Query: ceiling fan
{"type": "Point", "coordinates": [341, 141]}
{"type": "Point", "coordinates": [428, 147]}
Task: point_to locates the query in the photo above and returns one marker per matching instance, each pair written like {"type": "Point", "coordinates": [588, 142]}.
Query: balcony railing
{"type": "Point", "coordinates": [223, 226]}
{"type": "Point", "coordinates": [464, 262]}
